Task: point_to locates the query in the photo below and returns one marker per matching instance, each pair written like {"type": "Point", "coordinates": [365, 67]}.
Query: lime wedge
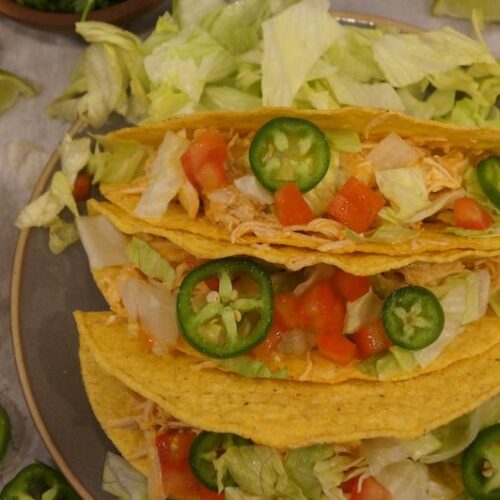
{"type": "Point", "coordinates": [11, 86]}
{"type": "Point", "coordinates": [463, 8]}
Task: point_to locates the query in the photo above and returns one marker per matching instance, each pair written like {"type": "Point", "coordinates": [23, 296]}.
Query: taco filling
{"type": "Point", "coordinates": [339, 184]}
{"type": "Point", "coordinates": [319, 323]}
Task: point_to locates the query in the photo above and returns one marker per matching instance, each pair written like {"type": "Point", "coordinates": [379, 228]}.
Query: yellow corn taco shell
{"type": "Point", "coordinates": [371, 123]}
{"type": "Point", "coordinates": [112, 401]}
{"type": "Point", "coordinates": [293, 258]}
{"type": "Point", "coordinates": [287, 414]}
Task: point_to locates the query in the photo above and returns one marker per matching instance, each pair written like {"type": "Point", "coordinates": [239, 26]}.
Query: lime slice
{"type": "Point", "coordinates": [463, 8]}
{"type": "Point", "coordinates": [11, 86]}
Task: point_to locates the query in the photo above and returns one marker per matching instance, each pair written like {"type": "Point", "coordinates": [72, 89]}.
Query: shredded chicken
{"type": "Point", "coordinates": [427, 274]}
{"type": "Point", "coordinates": [356, 165]}
{"type": "Point", "coordinates": [492, 265]}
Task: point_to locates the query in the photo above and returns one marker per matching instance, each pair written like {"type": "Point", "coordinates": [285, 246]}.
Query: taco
{"type": "Point", "coordinates": [318, 324]}
{"type": "Point", "coordinates": [341, 181]}
{"type": "Point", "coordinates": [195, 434]}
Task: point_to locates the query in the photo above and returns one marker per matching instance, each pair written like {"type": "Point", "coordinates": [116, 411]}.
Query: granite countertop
{"type": "Point", "coordinates": [46, 59]}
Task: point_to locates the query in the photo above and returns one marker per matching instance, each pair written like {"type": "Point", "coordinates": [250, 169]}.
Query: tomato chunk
{"type": "Point", "coordinates": [81, 187]}
{"type": "Point", "coordinates": [351, 287]}
{"type": "Point", "coordinates": [321, 308]}
{"type": "Point", "coordinates": [265, 348]}
{"type": "Point", "coordinates": [178, 480]}
{"type": "Point", "coordinates": [203, 161]}
{"type": "Point", "coordinates": [372, 340]}
{"type": "Point", "coordinates": [355, 205]}
{"type": "Point", "coordinates": [285, 310]}
{"type": "Point", "coordinates": [371, 489]}
{"type": "Point", "coordinates": [467, 213]}
{"type": "Point", "coordinates": [291, 207]}
{"type": "Point", "coordinates": [336, 347]}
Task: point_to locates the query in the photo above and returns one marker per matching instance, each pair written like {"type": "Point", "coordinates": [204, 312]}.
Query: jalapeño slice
{"type": "Point", "coordinates": [413, 317]}
{"type": "Point", "coordinates": [289, 150]}
{"type": "Point", "coordinates": [207, 447]}
{"type": "Point", "coordinates": [481, 465]}
{"type": "Point", "coordinates": [227, 322]}
{"type": "Point", "coordinates": [488, 175]}
{"type": "Point", "coordinates": [38, 481]}
{"type": "Point", "coordinates": [4, 432]}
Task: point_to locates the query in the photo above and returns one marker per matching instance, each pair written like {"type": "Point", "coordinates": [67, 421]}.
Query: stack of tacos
{"type": "Point", "coordinates": [302, 305]}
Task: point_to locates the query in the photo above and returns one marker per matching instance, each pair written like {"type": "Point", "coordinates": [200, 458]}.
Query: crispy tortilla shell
{"type": "Point", "coordinates": [288, 414]}
{"type": "Point", "coordinates": [111, 401]}
{"type": "Point", "coordinates": [293, 258]}
{"type": "Point", "coordinates": [372, 123]}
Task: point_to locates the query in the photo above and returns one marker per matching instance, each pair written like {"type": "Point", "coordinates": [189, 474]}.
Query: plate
{"type": "Point", "coordinates": [116, 14]}
{"type": "Point", "coordinates": [45, 289]}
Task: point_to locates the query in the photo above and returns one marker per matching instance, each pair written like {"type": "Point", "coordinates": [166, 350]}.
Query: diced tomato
{"type": "Point", "coordinates": [291, 207]}
{"type": "Point", "coordinates": [178, 479]}
{"type": "Point", "coordinates": [355, 205]}
{"type": "Point", "coordinates": [371, 489]}
{"type": "Point", "coordinates": [203, 161]}
{"type": "Point", "coordinates": [467, 213]}
{"type": "Point", "coordinates": [351, 287]}
{"type": "Point", "coordinates": [146, 341]}
{"type": "Point", "coordinates": [212, 283]}
{"type": "Point", "coordinates": [348, 486]}
{"type": "Point", "coordinates": [336, 347]}
{"type": "Point", "coordinates": [81, 187]}
{"type": "Point", "coordinates": [372, 340]}
{"type": "Point", "coordinates": [268, 345]}
{"type": "Point", "coordinates": [321, 308]}
{"type": "Point", "coordinates": [285, 310]}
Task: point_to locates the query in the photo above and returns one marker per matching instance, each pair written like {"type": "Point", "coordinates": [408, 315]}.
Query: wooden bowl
{"type": "Point", "coordinates": [117, 14]}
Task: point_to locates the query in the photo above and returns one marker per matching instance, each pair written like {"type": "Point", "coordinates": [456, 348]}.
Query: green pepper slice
{"type": "Point", "coordinates": [38, 481]}
{"type": "Point", "coordinates": [413, 317]}
{"type": "Point", "coordinates": [488, 175]}
{"type": "Point", "coordinates": [205, 449]}
{"type": "Point", "coordinates": [481, 465]}
{"type": "Point", "coordinates": [286, 150]}
{"type": "Point", "coordinates": [4, 432]}
{"type": "Point", "coordinates": [225, 323]}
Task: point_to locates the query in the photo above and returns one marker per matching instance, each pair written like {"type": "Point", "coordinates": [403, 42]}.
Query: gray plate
{"type": "Point", "coordinates": [45, 289]}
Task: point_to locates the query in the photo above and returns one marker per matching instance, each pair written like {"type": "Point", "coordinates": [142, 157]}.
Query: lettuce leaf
{"type": "Point", "coordinates": [61, 235]}
{"type": "Point", "coordinates": [344, 140]}
{"type": "Point", "coordinates": [407, 58]}
{"type": "Point", "coordinates": [117, 161]}
{"type": "Point", "coordinates": [75, 154]}
{"type": "Point", "coordinates": [167, 177]}
{"type": "Point", "coordinates": [103, 243]}
{"type": "Point", "coordinates": [363, 310]}
{"type": "Point", "coordinates": [150, 262]}
{"type": "Point", "coordinates": [258, 471]}
{"type": "Point", "coordinates": [367, 95]}
{"type": "Point", "coordinates": [120, 479]}
{"type": "Point", "coordinates": [293, 42]}
{"type": "Point", "coordinates": [250, 367]}
{"type": "Point", "coordinates": [300, 465]}
{"type": "Point", "coordinates": [44, 210]}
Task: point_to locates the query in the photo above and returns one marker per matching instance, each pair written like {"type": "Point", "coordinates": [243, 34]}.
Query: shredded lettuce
{"type": "Point", "coordinates": [464, 298]}
{"type": "Point", "coordinates": [61, 235]}
{"type": "Point", "coordinates": [44, 210]}
{"type": "Point", "coordinates": [257, 470]}
{"type": "Point", "coordinates": [406, 190]}
{"type": "Point", "coordinates": [300, 465]}
{"type": "Point", "coordinates": [406, 59]}
{"type": "Point", "coordinates": [475, 191]}
{"type": "Point", "coordinates": [388, 232]}
{"type": "Point", "coordinates": [293, 41]}
{"type": "Point", "coordinates": [116, 161]}
{"type": "Point", "coordinates": [122, 480]}
{"type": "Point", "coordinates": [321, 195]}
{"type": "Point", "coordinates": [250, 367]}
{"type": "Point", "coordinates": [103, 243]}
{"type": "Point", "coordinates": [361, 311]}
{"type": "Point", "coordinates": [167, 177]}
{"type": "Point", "coordinates": [75, 155]}
{"type": "Point", "coordinates": [150, 262]}
{"type": "Point", "coordinates": [344, 140]}
{"type": "Point", "coordinates": [368, 95]}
